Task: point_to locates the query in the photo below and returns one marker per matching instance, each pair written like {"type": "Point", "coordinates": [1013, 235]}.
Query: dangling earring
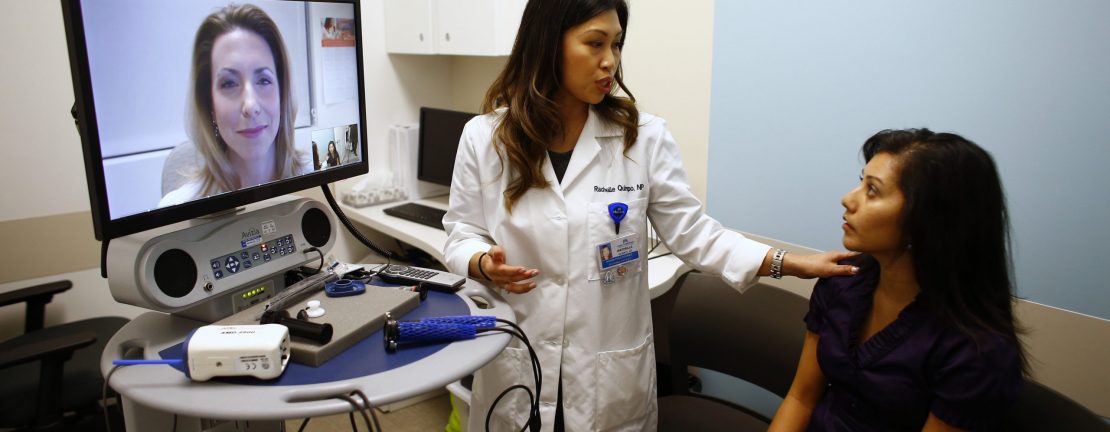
{"type": "Point", "coordinates": [215, 129]}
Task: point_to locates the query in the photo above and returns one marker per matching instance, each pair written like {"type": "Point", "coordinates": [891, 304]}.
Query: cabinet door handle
{"type": "Point", "coordinates": [421, 37]}
{"type": "Point", "coordinates": [448, 36]}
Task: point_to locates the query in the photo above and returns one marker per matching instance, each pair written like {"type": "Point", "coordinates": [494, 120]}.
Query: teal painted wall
{"type": "Point", "coordinates": [799, 85]}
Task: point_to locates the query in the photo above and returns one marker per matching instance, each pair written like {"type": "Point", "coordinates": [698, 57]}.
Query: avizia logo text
{"type": "Point", "coordinates": [252, 233]}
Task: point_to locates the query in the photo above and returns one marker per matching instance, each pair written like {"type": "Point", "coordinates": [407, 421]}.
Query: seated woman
{"type": "Point", "coordinates": [923, 336]}
{"type": "Point", "coordinates": [241, 109]}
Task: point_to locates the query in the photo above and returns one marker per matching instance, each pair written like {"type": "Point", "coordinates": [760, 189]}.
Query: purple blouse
{"type": "Point", "coordinates": [908, 369]}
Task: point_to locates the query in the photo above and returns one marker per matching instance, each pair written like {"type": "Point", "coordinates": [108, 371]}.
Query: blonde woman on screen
{"type": "Point", "coordinates": [241, 109]}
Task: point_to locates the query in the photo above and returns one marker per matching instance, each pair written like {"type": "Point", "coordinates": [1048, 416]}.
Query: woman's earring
{"type": "Point", "coordinates": [215, 129]}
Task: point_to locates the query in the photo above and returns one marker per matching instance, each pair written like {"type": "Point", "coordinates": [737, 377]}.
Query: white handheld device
{"type": "Point", "coordinates": [261, 351]}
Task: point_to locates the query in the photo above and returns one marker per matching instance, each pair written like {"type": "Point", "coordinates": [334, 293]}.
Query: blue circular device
{"type": "Point", "coordinates": [344, 287]}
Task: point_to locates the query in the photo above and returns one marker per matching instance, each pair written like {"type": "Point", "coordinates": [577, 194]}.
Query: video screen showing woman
{"type": "Point", "coordinates": [241, 106]}
{"type": "Point", "coordinates": [204, 97]}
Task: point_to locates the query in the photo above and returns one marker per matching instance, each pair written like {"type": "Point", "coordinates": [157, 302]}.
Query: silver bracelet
{"type": "Point", "coordinates": [776, 263]}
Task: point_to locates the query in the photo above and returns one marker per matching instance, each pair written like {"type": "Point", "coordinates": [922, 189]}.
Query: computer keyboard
{"type": "Point", "coordinates": [418, 213]}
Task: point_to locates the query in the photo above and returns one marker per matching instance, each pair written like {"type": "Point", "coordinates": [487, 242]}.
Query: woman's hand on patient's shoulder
{"type": "Point", "coordinates": [824, 264]}
{"type": "Point", "coordinates": [514, 279]}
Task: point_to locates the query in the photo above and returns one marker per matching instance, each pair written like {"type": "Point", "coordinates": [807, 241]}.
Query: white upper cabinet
{"type": "Point", "coordinates": [452, 27]}
{"type": "Point", "coordinates": [408, 26]}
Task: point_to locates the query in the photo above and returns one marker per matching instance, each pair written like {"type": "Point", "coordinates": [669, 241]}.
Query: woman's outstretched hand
{"type": "Point", "coordinates": [824, 264]}
{"type": "Point", "coordinates": [514, 279]}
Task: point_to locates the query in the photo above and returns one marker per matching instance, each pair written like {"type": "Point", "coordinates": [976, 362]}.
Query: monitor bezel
{"type": "Point", "coordinates": [84, 114]}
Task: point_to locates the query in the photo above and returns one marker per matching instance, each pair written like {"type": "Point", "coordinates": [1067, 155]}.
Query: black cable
{"type": "Point", "coordinates": [303, 424]}
{"type": "Point", "coordinates": [351, 228]}
{"type": "Point", "coordinates": [351, 417]}
{"type": "Point", "coordinates": [489, 414]}
{"type": "Point", "coordinates": [373, 416]}
{"type": "Point", "coordinates": [535, 361]}
{"type": "Point", "coordinates": [534, 402]}
{"type": "Point", "coordinates": [388, 262]}
{"type": "Point", "coordinates": [354, 403]}
{"type": "Point", "coordinates": [320, 267]}
{"type": "Point", "coordinates": [532, 353]}
{"type": "Point", "coordinates": [175, 423]}
{"type": "Point", "coordinates": [534, 417]}
{"type": "Point", "coordinates": [104, 397]}
{"type": "Point", "coordinates": [104, 257]}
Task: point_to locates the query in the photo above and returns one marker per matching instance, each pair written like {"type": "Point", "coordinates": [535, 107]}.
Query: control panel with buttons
{"type": "Point", "coordinates": [251, 257]}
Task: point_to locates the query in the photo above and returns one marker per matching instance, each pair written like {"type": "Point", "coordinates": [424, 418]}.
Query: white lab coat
{"type": "Point", "coordinates": [599, 336]}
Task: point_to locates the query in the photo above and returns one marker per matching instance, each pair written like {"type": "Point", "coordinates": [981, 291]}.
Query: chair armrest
{"type": "Point", "coordinates": [37, 350]}
{"type": "Point", "coordinates": [36, 298]}
{"type": "Point", "coordinates": [44, 291]}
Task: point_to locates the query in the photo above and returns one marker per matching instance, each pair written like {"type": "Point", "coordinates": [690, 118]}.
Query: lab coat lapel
{"type": "Point", "coordinates": [586, 150]}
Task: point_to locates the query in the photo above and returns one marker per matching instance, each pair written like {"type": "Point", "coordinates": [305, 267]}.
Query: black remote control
{"type": "Point", "coordinates": [405, 275]}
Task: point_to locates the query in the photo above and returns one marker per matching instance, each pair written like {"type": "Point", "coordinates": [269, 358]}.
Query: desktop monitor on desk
{"type": "Point", "coordinates": [440, 132]}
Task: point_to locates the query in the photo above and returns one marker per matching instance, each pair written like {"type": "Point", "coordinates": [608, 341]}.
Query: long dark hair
{"type": "Point", "coordinates": [333, 154]}
{"type": "Point", "coordinates": [528, 84]}
{"type": "Point", "coordinates": [955, 218]}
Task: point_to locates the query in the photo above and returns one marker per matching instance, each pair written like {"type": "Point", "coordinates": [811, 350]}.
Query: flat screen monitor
{"type": "Point", "coordinates": [440, 131]}
{"type": "Point", "coordinates": [192, 107]}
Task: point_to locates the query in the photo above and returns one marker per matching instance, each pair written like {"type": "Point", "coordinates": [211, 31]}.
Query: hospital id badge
{"type": "Point", "coordinates": [614, 256]}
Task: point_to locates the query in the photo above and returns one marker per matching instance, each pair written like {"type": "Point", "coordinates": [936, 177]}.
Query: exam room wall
{"type": "Point", "coordinates": [45, 217]}
{"type": "Point", "coordinates": [798, 86]}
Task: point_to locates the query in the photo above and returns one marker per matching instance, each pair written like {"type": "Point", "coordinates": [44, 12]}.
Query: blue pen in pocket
{"type": "Point", "coordinates": [617, 210]}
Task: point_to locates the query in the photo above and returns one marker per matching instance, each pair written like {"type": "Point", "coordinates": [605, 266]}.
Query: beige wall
{"type": "Point", "coordinates": [668, 61]}
{"type": "Point", "coordinates": [470, 78]}
{"type": "Point", "coordinates": [45, 212]}
{"type": "Point", "coordinates": [42, 172]}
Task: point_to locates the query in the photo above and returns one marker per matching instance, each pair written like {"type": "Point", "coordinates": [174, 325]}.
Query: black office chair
{"type": "Point", "coordinates": [51, 376]}
{"type": "Point", "coordinates": [1039, 408]}
{"type": "Point", "coordinates": [756, 336]}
